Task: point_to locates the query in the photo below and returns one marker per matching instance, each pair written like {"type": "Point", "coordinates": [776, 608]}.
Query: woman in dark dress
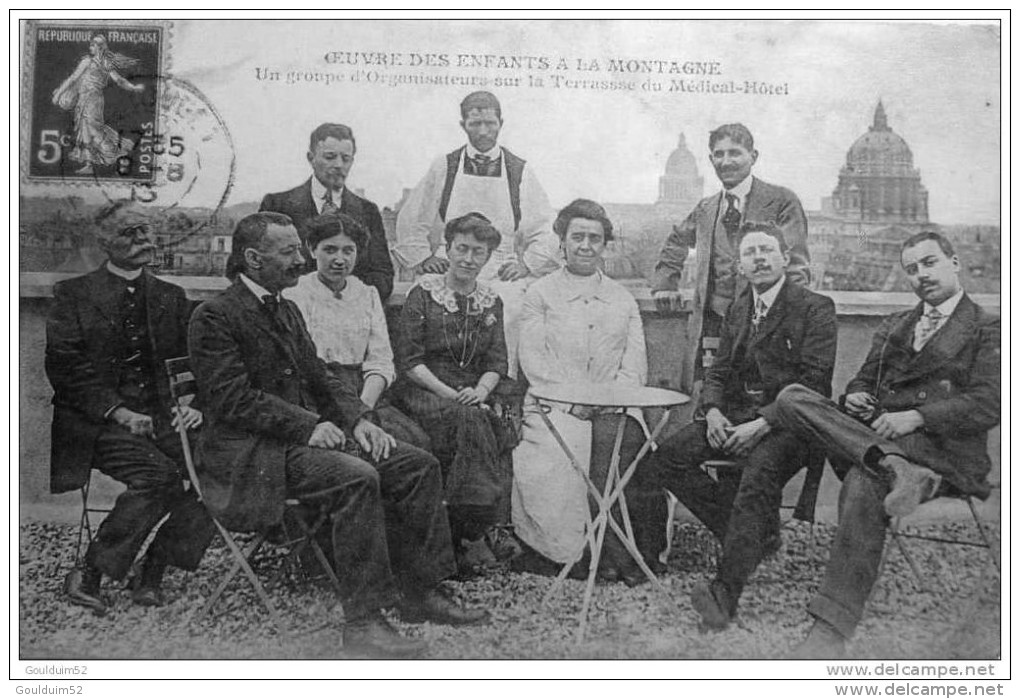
{"type": "Point", "coordinates": [451, 356]}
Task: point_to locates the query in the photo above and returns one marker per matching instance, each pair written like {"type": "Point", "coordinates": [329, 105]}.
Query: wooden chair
{"type": "Point", "coordinates": [183, 389]}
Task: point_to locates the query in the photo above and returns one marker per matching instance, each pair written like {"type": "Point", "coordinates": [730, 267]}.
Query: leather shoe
{"type": "Point", "coordinates": [436, 607]}
{"type": "Point", "coordinates": [82, 588]}
{"type": "Point", "coordinates": [823, 642]}
{"type": "Point", "coordinates": [145, 588]}
{"type": "Point", "coordinates": [715, 612]}
{"type": "Point", "coordinates": [912, 485]}
{"type": "Point", "coordinates": [375, 637]}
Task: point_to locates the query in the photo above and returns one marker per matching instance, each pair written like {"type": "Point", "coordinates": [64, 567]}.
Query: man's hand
{"type": "Point", "coordinates": [470, 396]}
{"type": "Point", "coordinates": [326, 435]}
{"type": "Point", "coordinates": [432, 265]}
{"type": "Point", "coordinates": [860, 405]}
{"type": "Point", "coordinates": [743, 438]}
{"type": "Point", "coordinates": [896, 425]}
{"type": "Point", "coordinates": [667, 301]}
{"type": "Point", "coordinates": [717, 425]}
{"type": "Point", "coordinates": [374, 440]}
{"type": "Point", "coordinates": [135, 423]}
{"type": "Point", "coordinates": [188, 416]}
{"type": "Point", "coordinates": [513, 270]}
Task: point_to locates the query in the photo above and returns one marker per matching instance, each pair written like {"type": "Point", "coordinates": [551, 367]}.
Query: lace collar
{"type": "Point", "coordinates": [482, 298]}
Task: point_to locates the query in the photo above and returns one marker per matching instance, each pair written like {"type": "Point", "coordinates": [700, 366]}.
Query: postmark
{"type": "Point", "coordinates": [161, 143]}
{"type": "Point", "coordinates": [93, 95]}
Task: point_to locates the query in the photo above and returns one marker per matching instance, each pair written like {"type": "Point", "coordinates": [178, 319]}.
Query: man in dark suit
{"type": "Point", "coordinates": [275, 425]}
{"type": "Point", "coordinates": [711, 229]}
{"type": "Point", "coordinates": [913, 425]}
{"type": "Point", "coordinates": [106, 338]}
{"type": "Point", "coordinates": [775, 333]}
{"type": "Point", "coordinates": [331, 151]}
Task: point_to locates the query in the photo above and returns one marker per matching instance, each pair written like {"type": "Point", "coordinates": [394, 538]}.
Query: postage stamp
{"type": "Point", "coordinates": [92, 90]}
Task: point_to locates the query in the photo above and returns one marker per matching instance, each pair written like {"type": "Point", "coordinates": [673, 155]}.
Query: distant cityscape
{"type": "Point", "coordinates": [878, 201]}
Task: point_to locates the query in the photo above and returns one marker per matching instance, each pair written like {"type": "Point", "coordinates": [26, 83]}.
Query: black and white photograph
{"type": "Point", "coordinates": [376, 342]}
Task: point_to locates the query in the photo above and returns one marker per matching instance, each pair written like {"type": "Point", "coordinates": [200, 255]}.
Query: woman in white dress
{"type": "Point", "coordinates": [578, 325]}
{"type": "Point", "coordinates": [347, 323]}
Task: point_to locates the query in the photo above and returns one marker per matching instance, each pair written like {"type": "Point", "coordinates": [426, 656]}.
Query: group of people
{"type": "Point", "coordinates": [431, 451]}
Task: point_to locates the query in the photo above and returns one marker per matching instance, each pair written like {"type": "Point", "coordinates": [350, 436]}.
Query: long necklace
{"type": "Point", "coordinates": [467, 334]}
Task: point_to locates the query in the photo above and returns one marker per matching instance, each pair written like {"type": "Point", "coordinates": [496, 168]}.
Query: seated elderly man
{"type": "Point", "coordinates": [276, 425]}
{"type": "Point", "coordinates": [913, 425]}
{"type": "Point", "coordinates": [106, 339]}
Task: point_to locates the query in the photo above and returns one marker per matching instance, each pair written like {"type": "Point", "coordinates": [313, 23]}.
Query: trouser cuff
{"type": "Point", "coordinates": [836, 615]}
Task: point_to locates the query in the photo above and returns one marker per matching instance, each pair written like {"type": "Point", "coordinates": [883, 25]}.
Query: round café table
{"type": "Point", "coordinates": [612, 396]}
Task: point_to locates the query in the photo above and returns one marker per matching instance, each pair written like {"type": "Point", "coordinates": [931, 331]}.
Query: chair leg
{"type": "Point", "coordinates": [985, 535]}
{"type": "Point", "coordinates": [894, 530]}
{"type": "Point", "coordinates": [241, 563]}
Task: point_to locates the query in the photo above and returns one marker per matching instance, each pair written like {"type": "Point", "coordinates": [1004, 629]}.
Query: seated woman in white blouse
{"type": "Point", "coordinates": [347, 323]}
{"type": "Point", "coordinates": [578, 325]}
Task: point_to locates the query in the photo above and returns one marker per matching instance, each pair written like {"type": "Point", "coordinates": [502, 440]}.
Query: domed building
{"type": "Point", "coordinates": [681, 183]}
{"type": "Point", "coordinates": [879, 182]}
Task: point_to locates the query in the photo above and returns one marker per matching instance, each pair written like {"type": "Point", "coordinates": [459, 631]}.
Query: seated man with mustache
{"type": "Point", "coordinates": [775, 334]}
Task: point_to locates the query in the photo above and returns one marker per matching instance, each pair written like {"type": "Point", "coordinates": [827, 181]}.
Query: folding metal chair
{"type": "Point", "coordinates": [183, 389]}
{"type": "Point", "coordinates": [86, 530]}
{"type": "Point", "coordinates": [985, 541]}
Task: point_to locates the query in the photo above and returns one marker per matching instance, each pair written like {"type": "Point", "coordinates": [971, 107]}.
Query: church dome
{"type": "Point", "coordinates": [681, 162]}
{"type": "Point", "coordinates": [881, 150]}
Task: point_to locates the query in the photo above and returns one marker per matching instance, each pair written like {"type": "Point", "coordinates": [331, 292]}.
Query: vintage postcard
{"type": "Point", "coordinates": [843, 149]}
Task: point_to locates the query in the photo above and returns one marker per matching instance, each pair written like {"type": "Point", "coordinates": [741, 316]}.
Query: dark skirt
{"type": "Point", "coordinates": [391, 419]}
{"type": "Point", "coordinates": [472, 444]}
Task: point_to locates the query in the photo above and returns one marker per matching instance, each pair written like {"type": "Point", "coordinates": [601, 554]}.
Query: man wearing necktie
{"type": "Point", "coordinates": [331, 151]}
{"type": "Point", "coordinates": [277, 424]}
{"type": "Point", "coordinates": [711, 231]}
{"type": "Point", "coordinates": [107, 336]}
{"type": "Point", "coordinates": [912, 425]}
{"type": "Point", "coordinates": [486, 178]}
{"type": "Point", "coordinates": [775, 333]}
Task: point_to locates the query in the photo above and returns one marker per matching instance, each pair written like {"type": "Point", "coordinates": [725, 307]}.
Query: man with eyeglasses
{"type": "Point", "coordinates": [107, 336]}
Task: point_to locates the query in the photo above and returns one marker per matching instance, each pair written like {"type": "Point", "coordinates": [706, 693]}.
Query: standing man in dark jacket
{"type": "Point", "coordinates": [913, 425]}
{"type": "Point", "coordinates": [711, 231]}
{"type": "Point", "coordinates": [276, 423]}
{"type": "Point", "coordinates": [106, 339]}
{"type": "Point", "coordinates": [331, 151]}
{"type": "Point", "coordinates": [775, 333]}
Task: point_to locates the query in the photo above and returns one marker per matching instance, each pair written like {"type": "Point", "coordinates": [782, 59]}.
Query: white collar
{"type": "Point", "coordinates": [492, 153]}
{"type": "Point", "coordinates": [129, 274]}
{"type": "Point", "coordinates": [947, 307]}
{"type": "Point", "coordinates": [256, 289]}
{"type": "Point", "coordinates": [319, 193]}
{"type": "Point", "coordinates": [740, 191]}
{"type": "Point", "coordinates": [769, 295]}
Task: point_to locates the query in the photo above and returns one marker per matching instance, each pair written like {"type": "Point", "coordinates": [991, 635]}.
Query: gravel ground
{"type": "Point", "coordinates": [959, 620]}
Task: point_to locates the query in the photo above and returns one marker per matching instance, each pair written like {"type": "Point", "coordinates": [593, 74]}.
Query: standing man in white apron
{"type": "Point", "coordinates": [483, 177]}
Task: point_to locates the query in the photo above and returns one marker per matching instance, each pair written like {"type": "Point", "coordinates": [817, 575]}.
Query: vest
{"type": "Point", "coordinates": [515, 172]}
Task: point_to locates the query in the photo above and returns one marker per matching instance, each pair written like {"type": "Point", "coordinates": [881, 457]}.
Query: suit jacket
{"type": "Point", "coordinates": [263, 390]}
{"type": "Point", "coordinates": [954, 382]}
{"type": "Point", "coordinates": [84, 344]}
{"type": "Point", "coordinates": [765, 203]}
{"type": "Point", "coordinates": [374, 265]}
{"type": "Point", "coordinates": [796, 343]}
